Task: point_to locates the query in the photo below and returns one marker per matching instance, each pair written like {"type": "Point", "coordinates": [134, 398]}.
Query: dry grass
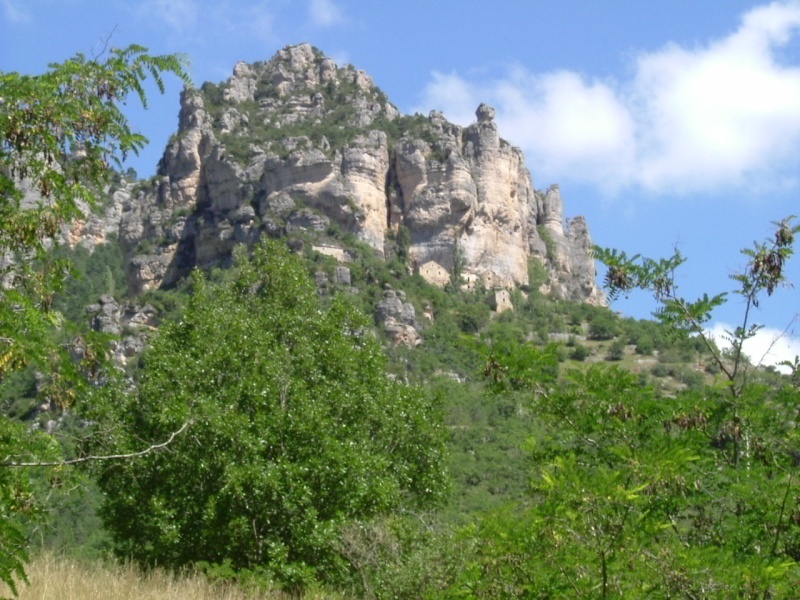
{"type": "Point", "coordinates": [58, 578]}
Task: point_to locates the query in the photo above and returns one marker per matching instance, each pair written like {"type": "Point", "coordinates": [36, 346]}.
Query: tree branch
{"type": "Point", "coordinates": [92, 458]}
{"type": "Point", "coordinates": [780, 517]}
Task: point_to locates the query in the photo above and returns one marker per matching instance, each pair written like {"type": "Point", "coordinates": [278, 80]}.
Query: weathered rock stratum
{"type": "Point", "coordinates": [299, 143]}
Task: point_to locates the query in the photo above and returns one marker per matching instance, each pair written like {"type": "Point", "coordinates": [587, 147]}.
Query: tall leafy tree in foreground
{"type": "Point", "coordinates": [296, 429]}
{"type": "Point", "coordinates": [59, 134]}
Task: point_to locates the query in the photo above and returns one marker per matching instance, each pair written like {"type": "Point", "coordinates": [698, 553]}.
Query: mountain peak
{"type": "Point", "coordinates": [293, 70]}
{"type": "Point", "coordinates": [300, 143]}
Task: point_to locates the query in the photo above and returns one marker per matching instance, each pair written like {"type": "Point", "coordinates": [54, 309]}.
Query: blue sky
{"type": "Point", "coordinates": [664, 122]}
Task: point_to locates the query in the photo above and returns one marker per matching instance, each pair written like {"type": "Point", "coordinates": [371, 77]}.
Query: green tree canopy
{"type": "Point", "coordinates": [59, 133]}
{"type": "Point", "coordinates": [295, 429]}
{"type": "Point", "coordinates": [635, 494]}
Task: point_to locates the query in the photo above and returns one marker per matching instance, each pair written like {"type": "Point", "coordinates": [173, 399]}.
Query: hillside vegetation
{"type": "Point", "coordinates": [287, 423]}
{"type": "Point", "coordinates": [575, 437]}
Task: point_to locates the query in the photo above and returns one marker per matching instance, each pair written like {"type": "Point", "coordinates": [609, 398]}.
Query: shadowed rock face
{"type": "Point", "coordinates": [299, 142]}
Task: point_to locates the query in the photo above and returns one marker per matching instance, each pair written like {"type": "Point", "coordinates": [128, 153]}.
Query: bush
{"type": "Point", "coordinates": [645, 345]}
{"type": "Point", "coordinates": [659, 370]}
{"type": "Point", "coordinates": [616, 351]}
{"type": "Point", "coordinates": [580, 353]}
{"type": "Point", "coordinates": [603, 327]}
{"type": "Point", "coordinates": [472, 317]}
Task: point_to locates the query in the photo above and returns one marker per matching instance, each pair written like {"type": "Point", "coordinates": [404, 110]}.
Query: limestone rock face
{"type": "Point", "coordinates": [98, 226]}
{"type": "Point", "coordinates": [566, 248]}
{"type": "Point", "coordinates": [299, 144]}
{"type": "Point", "coordinates": [582, 283]}
{"type": "Point", "coordinates": [341, 276]}
{"type": "Point", "coordinates": [469, 199]}
{"type": "Point", "coordinates": [132, 323]}
{"type": "Point", "coordinates": [398, 318]}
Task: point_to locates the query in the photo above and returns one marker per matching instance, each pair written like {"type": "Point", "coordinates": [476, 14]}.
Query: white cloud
{"type": "Point", "coordinates": [570, 124]}
{"type": "Point", "coordinates": [718, 114]}
{"type": "Point", "coordinates": [768, 347]}
{"type": "Point", "coordinates": [325, 13]}
{"type": "Point", "coordinates": [179, 15]}
{"type": "Point", "coordinates": [13, 13]}
{"type": "Point", "coordinates": [194, 19]}
{"type": "Point", "coordinates": [688, 119]}
{"type": "Point", "coordinates": [564, 123]}
{"type": "Point", "coordinates": [456, 96]}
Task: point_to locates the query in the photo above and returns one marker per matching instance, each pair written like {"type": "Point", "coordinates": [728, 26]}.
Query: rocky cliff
{"type": "Point", "coordinates": [299, 143]}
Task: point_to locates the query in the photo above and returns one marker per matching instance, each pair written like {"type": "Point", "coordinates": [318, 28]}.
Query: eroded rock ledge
{"type": "Point", "coordinates": [300, 142]}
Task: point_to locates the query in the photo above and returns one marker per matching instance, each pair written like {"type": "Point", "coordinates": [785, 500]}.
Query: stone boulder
{"type": "Point", "coordinates": [398, 318]}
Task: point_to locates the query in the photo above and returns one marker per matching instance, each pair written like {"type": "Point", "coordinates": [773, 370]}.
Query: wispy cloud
{"type": "Point", "coordinates": [13, 13]}
{"type": "Point", "coordinates": [689, 119]}
{"type": "Point", "coordinates": [198, 19]}
{"type": "Point", "coordinates": [564, 123]}
{"type": "Point", "coordinates": [325, 13]}
{"type": "Point", "coordinates": [768, 347]}
{"type": "Point", "coordinates": [257, 19]}
{"type": "Point", "coordinates": [179, 15]}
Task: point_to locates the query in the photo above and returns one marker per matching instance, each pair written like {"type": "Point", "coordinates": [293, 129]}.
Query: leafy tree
{"type": "Point", "coordinates": [520, 366]}
{"type": "Point", "coordinates": [295, 430]}
{"type": "Point", "coordinates": [603, 327]}
{"type": "Point", "coordinates": [616, 351]}
{"type": "Point", "coordinates": [763, 273]}
{"type": "Point", "coordinates": [59, 133]}
{"type": "Point", "coordinates": [636, 495]}
{"type": "Point", "coordinates": [588, 512]}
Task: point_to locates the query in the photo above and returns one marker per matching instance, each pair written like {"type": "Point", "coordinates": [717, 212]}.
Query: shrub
{"type": "Point", "coordinates": [579, 352]}
{"type": "Point", "coordinates": [616, 351]}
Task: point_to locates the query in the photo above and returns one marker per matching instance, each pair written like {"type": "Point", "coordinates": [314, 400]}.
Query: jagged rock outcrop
{"type": "Point", "coordinates": [299, 143]}
{"type": "Point", "coordinates": [473, 203]}
{"type": "Point", "coordinates": [98, 226]}
{"type": "Point", "coordinates": [398, 318]}
{"type": "Point", "coordinates": [565, 246]}
{"type": "Point", "coordinates": [131, 323]}
{"type": "Point", "coordinates": [98, 223]}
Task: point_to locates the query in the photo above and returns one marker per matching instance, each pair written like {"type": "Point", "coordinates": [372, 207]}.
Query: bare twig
{"type": "Point", "coordinates": [91, 458]}
{"type": "Point", "coordinates": [106, 39]}
{"type": "Point", "coordinates": [777, 338]}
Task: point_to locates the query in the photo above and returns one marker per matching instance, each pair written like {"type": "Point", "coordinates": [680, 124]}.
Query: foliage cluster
{"type": "Point", "coordinates": [91, 274]}
{"type": "Point", "coordinates": [634, 494]}
{"type": "Point", "coordinates": [59, 133]}
{"type": "Point", "coordinates": [549, 243]}
{"type": "Point", "coordinates": [295, 430]}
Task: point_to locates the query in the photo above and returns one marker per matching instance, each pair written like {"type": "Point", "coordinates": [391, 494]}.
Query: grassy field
{"type": "Point", "coordinates": [59, 578]}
